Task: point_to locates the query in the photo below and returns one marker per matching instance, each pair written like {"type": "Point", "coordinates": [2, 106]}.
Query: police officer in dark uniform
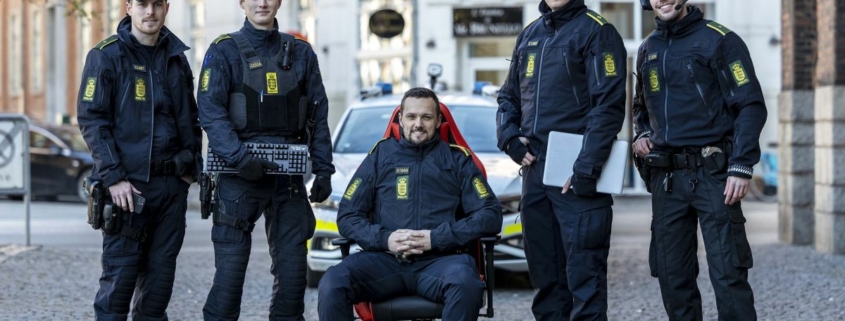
{"type": "Point", "coordinates": [138, 115]}
{"type": "Point", "coordinates": [260, 85]}
{"type": "Point", "coordinates": [568, 75]}
{"type": "Point", "coordinates": [698, 114]}
{"type": "Point", "coordinates": [400, 207]}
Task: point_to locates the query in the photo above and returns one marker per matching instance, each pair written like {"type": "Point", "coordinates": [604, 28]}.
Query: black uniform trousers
{"type": "Point", "coordinates": [567, 242]}
{"type": "Point", "coordinates": [377, 276]}
{"type": "Point", "coordinates": [697, 197]}
{"type": "Point", "coordinates": [147, 266]}
{"type": "Point", "coordinates": [289, 222]}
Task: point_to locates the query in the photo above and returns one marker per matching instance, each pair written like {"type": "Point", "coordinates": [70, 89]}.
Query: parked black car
{"type": "Point", "coordinates": [59, 161]}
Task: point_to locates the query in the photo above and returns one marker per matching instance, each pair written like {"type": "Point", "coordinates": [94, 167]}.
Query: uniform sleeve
{"type": "Point", "coordinates": [642, 125]}
{"type": "Point", "coordinates": [356, 208]}
{"type": "Point", "coordinates": [509, 115]}
{"type": "Point", "coordinates": [606, 74]}
{"type": "Point", "coordinates": [213, 100]}
{"type": "Point", "coordinates": [321, 146]}
{"type": "Point", "coordinates": [482, 208]}
{"type": "Point", "coordinates": [745, 102]}
{"type": "Point", "coordinates": [95, 107]}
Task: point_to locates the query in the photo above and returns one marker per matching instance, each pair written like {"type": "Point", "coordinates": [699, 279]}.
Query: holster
{"type": "Point", "coordinates": [96, 202]}
{"type": "Point", "coordinates": [208, 203]}
{"type": "Point", "coordinates": [112, 218]}
{"type": "Point", "coordinates": [644, 170]}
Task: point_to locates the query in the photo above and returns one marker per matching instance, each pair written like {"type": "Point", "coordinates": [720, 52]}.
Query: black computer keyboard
{"type": "Point", "coordinates": [291, 158]}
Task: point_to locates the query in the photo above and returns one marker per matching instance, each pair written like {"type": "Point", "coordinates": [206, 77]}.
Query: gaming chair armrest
{"type": "Point", "coordinates": [344, 244]}
{"type": "Point", "coordinates": [489, 242]}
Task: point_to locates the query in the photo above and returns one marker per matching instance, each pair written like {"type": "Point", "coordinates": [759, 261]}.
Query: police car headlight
{"type": "Point", "coordinates": [515, 241]}
{"type": "Point", "coordinates": [323, 244]}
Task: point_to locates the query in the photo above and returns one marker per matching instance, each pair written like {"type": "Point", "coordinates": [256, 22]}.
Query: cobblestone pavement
{"type": "Point", "coordinates": [790, 283]}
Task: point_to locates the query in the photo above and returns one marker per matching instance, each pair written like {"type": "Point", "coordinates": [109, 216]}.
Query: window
{"type": "Point", "coordinates": [114, 9]}
{"type": "Point", "coordinates": [37, 47]}
{"type": "Point", "coordinates": [84, 35]}
{"type": "Point", "coordinates": [37, 140]}
{"type": "Point", "coordinates": [493, 49]}
{"type": "Point", "coordinates": [16, 53]}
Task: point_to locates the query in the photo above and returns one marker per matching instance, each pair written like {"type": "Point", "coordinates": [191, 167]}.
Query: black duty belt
{"type": "Point", "coordinates": [163, 168]}
{"type": "Point", "coordinates": [684, 161]}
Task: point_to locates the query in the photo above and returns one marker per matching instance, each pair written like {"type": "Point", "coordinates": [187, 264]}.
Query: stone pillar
{"type": "Point", "coordinates": [830, 128]}
{"type": "Point", "coordinates": [796, 123]}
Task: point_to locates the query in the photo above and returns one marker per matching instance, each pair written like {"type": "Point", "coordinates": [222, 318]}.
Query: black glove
{"type": "Point", "coordinates": [253, 168]}
{"type": "Point", "coordinates": [517, 150]}
{"type": "Point", "coordinates": [184, 163]}
{"type": "Point", "coordinates": [583, 185]}
{"type": "Point", "coordinates": [320, 189]}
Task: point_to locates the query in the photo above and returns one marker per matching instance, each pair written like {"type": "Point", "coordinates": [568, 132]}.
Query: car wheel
{"type": "Point", "coordinates": [313, 277]}
{"type": "Point", "coordinates": [81, 192]}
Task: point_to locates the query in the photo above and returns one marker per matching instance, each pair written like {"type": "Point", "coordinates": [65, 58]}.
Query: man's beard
{"type": "Point", "coordinates": [423, 139]}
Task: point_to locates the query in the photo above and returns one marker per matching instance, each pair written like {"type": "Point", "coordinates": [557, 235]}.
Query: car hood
{"type": "Point", "coordinates": [502, 173]}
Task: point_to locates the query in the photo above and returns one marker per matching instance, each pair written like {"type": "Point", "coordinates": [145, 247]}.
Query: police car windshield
{"type": "Point", "coordinates": [365, 126]}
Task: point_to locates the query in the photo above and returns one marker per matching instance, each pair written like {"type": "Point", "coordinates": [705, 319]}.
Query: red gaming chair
{"type": "Point", "coordinates": [417, 307]}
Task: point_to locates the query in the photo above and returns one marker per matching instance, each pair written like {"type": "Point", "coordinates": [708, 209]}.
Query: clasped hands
{"type": "Point", "coordinates": [409, 242]}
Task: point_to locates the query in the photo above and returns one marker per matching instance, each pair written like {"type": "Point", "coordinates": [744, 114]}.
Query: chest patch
{"type": "Point", "coordinates": [402, 187]}
{"type": "Point", "coordinates": [480, 188]}
{"type": "Point", "coordinates": [740, 76]}
{"type": "Point", "coordinates": [529, 66]}
{"type": "Point", "coordinates": [533, 43]}
{"type": "Point", "coordinates": [653, 80]}
{"type": "Point", "coordinates": [609, 65]}
{"type": "Point", "coordinates": [402, 170]}
{"type": "Point", "coordinates": [353, 187]}
{"type": "Point", "coordinates": [139, 68]}
{"type": "Point", "coordinates": [90, 89]}
{"type": "Point", "coordinates": [140, 89]}
{"type": "Point", "coordinates": [272, 83]}
{"type": "Point", "coordinates": [652, 56]}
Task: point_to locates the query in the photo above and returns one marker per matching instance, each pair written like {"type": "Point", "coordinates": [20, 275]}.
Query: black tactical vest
{"type": "Point", "coordinates": [270, 101]}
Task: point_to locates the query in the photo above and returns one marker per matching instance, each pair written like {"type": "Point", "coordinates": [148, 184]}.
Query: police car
{"type": "Point", "coordinates": [364, 123]}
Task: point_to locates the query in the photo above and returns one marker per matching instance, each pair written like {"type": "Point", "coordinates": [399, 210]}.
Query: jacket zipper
{"type": "Point", "coordinates": [569, 74]}
{"type": "Point", "coordinates": [108, 148]}
{"type": "Point", "coordinates": [698, 86]}
{"type": "Point", "coordinates": [417, 199]}
{"type": "Point", "coordinates": [596, 70]}
{"type": "Point", "coordinates": [539, 77]}
{"type": "Point", "coordinates": [666, 100]}
{"type": "Point", "coordinates": [727, 81]}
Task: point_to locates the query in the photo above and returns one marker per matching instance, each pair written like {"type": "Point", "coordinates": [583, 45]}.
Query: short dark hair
{"type": "Point", "coordinates": [420, 92]}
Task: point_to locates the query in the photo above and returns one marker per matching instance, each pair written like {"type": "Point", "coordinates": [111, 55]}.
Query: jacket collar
{"type": "Point", "coordinates": [422, 148]}
{"type": "Point", "coordinates": [560, 17]}
{"type": "Point", "coordinates": [681, 27]}
{"type": "Point", "coordinates": [257, 36]}
{"type": "Point", "coordinates": [171, 44]}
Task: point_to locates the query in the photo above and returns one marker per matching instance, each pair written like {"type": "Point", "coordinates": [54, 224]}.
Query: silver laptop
{"type": "Point", "coordinates": [563, 150]}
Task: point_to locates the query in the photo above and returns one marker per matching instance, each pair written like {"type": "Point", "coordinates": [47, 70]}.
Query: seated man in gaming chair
{"type": "Point", "coordinates": [400, 207]}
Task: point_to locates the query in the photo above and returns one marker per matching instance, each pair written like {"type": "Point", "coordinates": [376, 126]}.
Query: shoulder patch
{"type": "Point", "coordinates": [463, 149]}
{"type": "Point", "coordinates": [221, 38]}
{"type": "Point", "coordinates": [376, 144]}
{"type": "Point", "coordinates": [532, 22]}
{"type": "Point", "coordinates": [105, 42]}
{"type": "Point", "coordinates": [724, 31]}
{"type": "Point", "coordinates": [597, 17]}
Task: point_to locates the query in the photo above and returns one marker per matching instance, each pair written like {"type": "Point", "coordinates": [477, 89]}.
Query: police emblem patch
{"type": "Point", "coordinates": [350, 191]}
{"type": "Point", "coordinates": [740, 76]}
{"type": "Point", "coordinates": [206, 78]}
{"type": "Point", "coordinates": [402, 187]}
{"type": "Point", "coordinates": [272, 83]}
{"type": "Point", "coordinates": [529, 69]}
{"type": "Point", "coordinates": [90, 89]}
{"type": "Point", "coordinates": [140, 89]}
{"type": "Point", "coordinates": [609, 65]}
{"type": "Point", "coordinates": [480, 188]}
{"type": "Point", "coordinates": [654, 80]}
